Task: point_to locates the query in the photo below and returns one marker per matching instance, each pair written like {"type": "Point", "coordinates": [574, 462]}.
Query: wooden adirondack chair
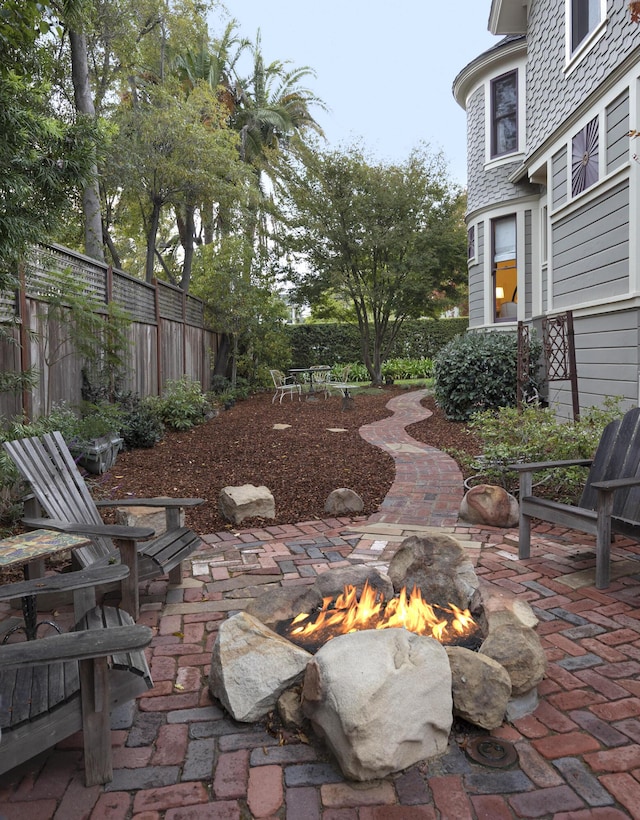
{"type": "Point", "coordinates": [52, 687]}
{"type": "Point", "coordinates": [55, 480]}
{"type": "Point", "coordinates": [610, 501]}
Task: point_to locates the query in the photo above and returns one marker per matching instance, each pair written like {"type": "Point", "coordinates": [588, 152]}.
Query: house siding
{"type": "Point", "coordinates": [486, 185]}
{"type": "Point", "coordinates": [553, 92]}
{"type": "Point", "coordinates": [528, 264]}
{"type": "Point", "coordinates": [476, 281]}
{"type": "Point", "coordinates": [559, 185]}
{"type": "Point", "coordinates": [605, 343]}
{"type": "Point", "coordinates": [617, 125]}
{"type": "Point", "coordinates": [591, 250]}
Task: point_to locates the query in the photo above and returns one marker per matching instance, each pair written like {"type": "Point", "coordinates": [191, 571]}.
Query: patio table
{"type": "Point", "coordinates": [319, 368]}
{"type": "Point", "coordinates": [30, 549]}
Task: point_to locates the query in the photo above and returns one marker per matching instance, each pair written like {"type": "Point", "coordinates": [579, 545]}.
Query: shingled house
{"type": "Point", "coordinates": [554, 185]}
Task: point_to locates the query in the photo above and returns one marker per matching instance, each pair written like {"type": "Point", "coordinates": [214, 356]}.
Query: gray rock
{"type": "Point", "coordinates": [145, 517]}
{"type": "Point", "coordinates": [290, 708]}
{"type": "Point", "coordinates": [481, 687]}
{"type": "Point", "coordinates": [333, 582]}
{"type": "Point", "coordinates": [495, 606]}
{"type": "Point", "coordinates": [283, 604]}
{"type": "Point", "coordinates": [488, 504]}
{"type": "Point", "coordinates": [343, 502]}
{"type": "Point", "coordinates": [518, 649]}
{"type": "Point", "coordinates": [247, 501]}
{"type": "Point", "coordinates": [381, 699]}
{"type": "Point", "coordinates": [438, 566]}
{"type": "Point", "coordinates": [251, 666]}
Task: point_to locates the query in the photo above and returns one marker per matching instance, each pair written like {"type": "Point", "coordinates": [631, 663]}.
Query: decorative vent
{"type": "Point", "coordinates": [584, 158]}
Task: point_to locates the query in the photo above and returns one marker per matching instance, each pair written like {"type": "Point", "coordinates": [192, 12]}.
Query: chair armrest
{"type": "Point", "coordinates": [65, 581]}
{"type": "Point", "coordinates": [545, 465]}
{"type": "Point", "coordinates": [77, 528]}
{"type": "Point", "coordinates": [151, 502]}
{"type": "Point", "coordinates": [615, 484]}
{"type": "Point", "coordinates": [78, 646]}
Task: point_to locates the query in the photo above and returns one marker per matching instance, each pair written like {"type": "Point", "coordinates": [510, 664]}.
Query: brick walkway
{"type": "Point", "coordinates": [184, 759]}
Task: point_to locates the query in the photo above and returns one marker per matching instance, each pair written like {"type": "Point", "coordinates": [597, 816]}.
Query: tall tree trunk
{"type": "Point", "coordinates": [186, 223]}
{"type": "Point", "coordinates": [152, 233]}
{"type": "Point", "coordinates": [93, 243]}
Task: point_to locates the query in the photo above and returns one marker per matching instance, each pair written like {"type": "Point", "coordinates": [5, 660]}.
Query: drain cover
{"type": "Point", "coordinates": [490, 751]}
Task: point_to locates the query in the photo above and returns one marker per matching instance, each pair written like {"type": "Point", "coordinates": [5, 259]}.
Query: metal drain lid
{"type": "Point", "coordinates": [491, 751]}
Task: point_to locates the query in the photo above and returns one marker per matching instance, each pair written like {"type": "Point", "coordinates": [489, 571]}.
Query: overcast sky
{"type": "Point", "coordinates": [384, 69]}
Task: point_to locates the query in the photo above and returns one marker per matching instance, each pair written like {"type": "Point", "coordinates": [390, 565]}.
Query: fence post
{"type": "Point", "coordinates": [25, 353]}
{"type": "Point", "coordinates": [158, 340]}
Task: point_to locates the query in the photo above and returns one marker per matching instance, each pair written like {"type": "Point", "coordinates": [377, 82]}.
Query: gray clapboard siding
{"type": "Point", "coordinates": [617, 139]}
{"type": "Point", "coordinates": [591, 250]}
{"type": "Point", "coordinates": [528, 265]}
{"type": "Point", "coordinates": [559, 178]}
{"type": "Point", "coordinates": [476, 281]}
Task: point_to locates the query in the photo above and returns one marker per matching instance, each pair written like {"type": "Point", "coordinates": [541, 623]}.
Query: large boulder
{"type": "Point", "coordinates": [246, 501]}
{"type": "Point", "coordinates": [490, 505]}
{"type": "Point", "coordinates": [381, 699]}
{"type": "Point", "coordinates": [251, 666]}
{"type": "Point", "coordinates": [333, 582]}
{"type": "Point", "coordinates": [481, 687]}
{"type": "Point", "coordinates": [518, 649]}
{"type": "Point", "coordinates": [283, 604]}
{"type": "Point", "coordinates": [438, 566]}
{"type": "Point", "coordinates": [154, 517]}
{"type": "Point", "coordinates": [343, 501]}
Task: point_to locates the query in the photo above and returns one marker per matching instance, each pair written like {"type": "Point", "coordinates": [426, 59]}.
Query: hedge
{"type": "Point", "coordinates": [333, 343]}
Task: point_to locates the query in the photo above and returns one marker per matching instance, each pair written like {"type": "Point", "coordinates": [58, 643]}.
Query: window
{"type": "Point", "coordinates": [471, 243]}
{"type": "Point", "coordinates": [504, 114]}
{"type": "Point", "coordinates": [585, 17]}
{"type": "Point", "coordinates": [505, 272]}
{"type": "Point", "coordinates": [584, 157]}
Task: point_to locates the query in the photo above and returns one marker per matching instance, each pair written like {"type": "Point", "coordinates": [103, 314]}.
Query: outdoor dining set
{"type": "Point", "coordinates": [313, 381]}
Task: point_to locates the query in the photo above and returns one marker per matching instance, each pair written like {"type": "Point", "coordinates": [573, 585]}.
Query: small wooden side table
{"type": "Point", "coordinates": [30, 549]}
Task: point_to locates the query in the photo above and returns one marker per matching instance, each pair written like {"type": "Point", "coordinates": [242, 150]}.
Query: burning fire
{"type": "Point", "coordinates": [348, 614]}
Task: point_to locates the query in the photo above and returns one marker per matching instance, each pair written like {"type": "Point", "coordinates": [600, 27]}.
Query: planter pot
{"type": "Point", "coordinates": [99, 455]}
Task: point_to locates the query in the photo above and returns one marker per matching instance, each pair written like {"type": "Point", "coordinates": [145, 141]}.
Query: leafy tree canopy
{"type": "Point", "coordinates": [386, 239]}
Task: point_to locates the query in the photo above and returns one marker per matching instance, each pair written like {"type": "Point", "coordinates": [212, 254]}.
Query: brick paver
{"type": "Point", "coordinates": [183, 758]}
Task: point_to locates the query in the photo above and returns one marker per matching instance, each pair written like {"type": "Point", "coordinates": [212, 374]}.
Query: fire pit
{"type": "Point", "coordinates": [350, 612]}
{"type": "Point", "coordinates": [378, 671]}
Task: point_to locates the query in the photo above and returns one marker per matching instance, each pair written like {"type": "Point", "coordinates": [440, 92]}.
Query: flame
{"type": "Point", "coordinates": [350, 614]}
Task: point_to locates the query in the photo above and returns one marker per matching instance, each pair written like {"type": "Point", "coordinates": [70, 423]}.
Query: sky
{"type": "Point", "coordinates": [384, 69]}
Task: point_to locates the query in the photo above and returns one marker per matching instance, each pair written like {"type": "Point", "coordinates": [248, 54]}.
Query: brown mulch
{"type": "Point", "coordinates": [301, 464]}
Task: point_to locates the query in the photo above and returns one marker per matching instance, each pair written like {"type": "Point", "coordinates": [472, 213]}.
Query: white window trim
{"type": "Point", "coordinates": [491, 161]}
{"type": "Point", "coordinates": [572, 58]}
{"type": "Point", "coordinates": [472, 260]}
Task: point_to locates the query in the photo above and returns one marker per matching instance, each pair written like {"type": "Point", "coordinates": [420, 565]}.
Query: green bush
{"type": "Point", "coordinates": [397, 369]}
{"type": "Point", "coordinates": [478, 371]}
{"type": "Point", "coordinates": [536, 434]}
{"type": "Point", "coordinates": [141, 424]}
{"type": "Point", "coordinates": [182, 404]}
{"type": "Point", "coordinates": [323, 342]}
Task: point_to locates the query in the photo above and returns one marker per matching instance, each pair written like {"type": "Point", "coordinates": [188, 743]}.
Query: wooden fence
{"type": "Point", "coordinates": [166, 334]}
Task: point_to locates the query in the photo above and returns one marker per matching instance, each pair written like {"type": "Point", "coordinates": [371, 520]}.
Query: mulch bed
{"type": "Point", "coordinates": [301, 464]}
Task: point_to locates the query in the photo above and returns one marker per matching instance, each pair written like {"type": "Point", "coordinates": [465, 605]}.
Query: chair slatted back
{"type": "Point", "coordinates": [617, 456]}
{"type": "Point", "coordinates": [55, 480]}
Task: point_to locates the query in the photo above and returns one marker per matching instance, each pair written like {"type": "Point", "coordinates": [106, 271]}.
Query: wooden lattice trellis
{"type": "Point", "coordinates": [560, 353]}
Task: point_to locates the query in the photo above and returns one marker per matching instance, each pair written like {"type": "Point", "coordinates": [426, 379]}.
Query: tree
{"type": "Point", "coordinates": [387, 239]}
{"type": "Point", "coordinates": [245, 308]}
{"type": "Point", "coordinates": [173, 151]}
{"type": "Point", "coordinates": [44, 158]}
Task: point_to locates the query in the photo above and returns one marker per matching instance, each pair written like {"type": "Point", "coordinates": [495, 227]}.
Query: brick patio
{"type": "Point", "coordinates": [183, 758]}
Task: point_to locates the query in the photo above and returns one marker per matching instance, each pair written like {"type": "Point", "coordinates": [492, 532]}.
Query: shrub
{"type": "Point", "coordinates": [477, 372]}
{"type": "Point", "coordinates": [537, 434]}
{"type": "Point", "coordinates": [141, 424]}
{"type": "Point", "coordinates": [183, 404]}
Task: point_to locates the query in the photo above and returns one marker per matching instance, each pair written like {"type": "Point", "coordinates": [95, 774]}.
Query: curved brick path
{"type": "Point", "coordinates": [182, 758]}
{"type": "Point", "coordinates": [428, 485]}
